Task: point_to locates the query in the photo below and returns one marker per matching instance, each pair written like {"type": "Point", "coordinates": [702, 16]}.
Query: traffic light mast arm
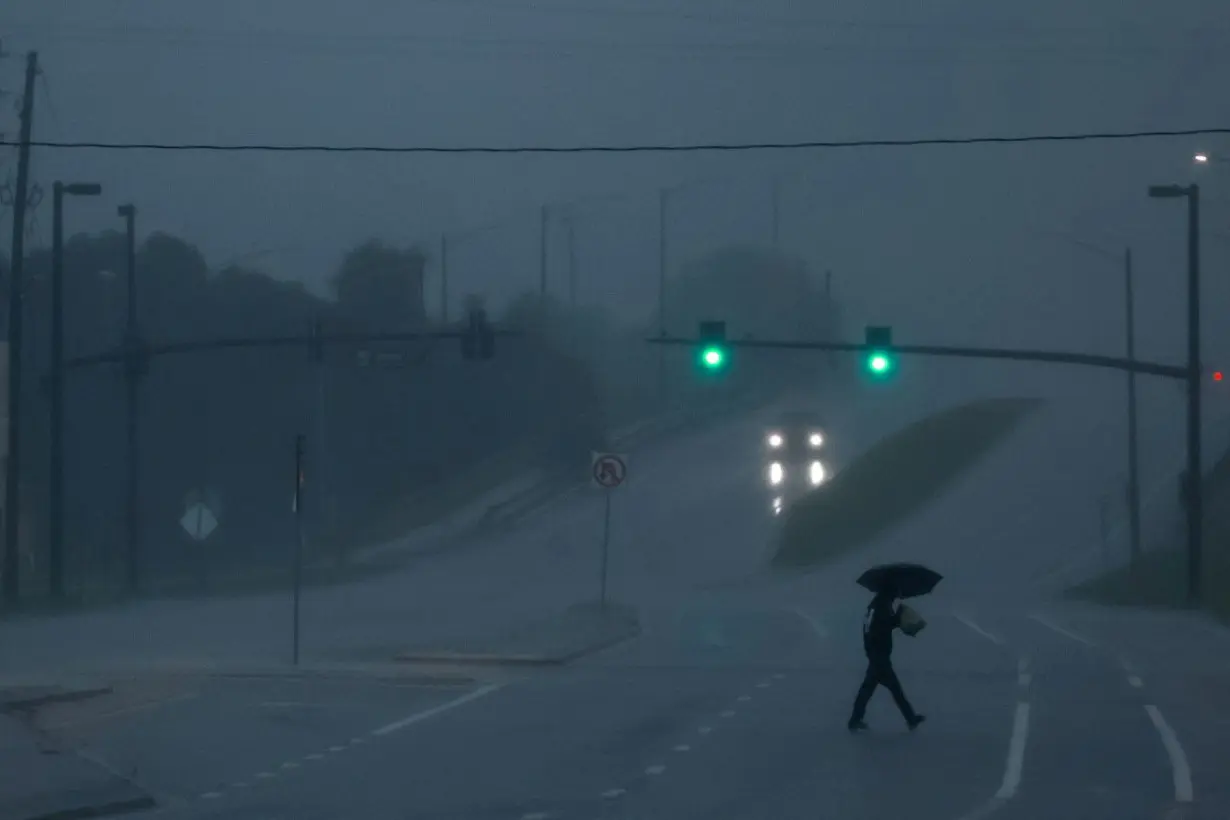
{"type": "Point", "coordinates": [1020, 355]}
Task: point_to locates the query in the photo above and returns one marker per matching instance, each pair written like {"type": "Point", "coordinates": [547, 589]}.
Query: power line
{"type": "Point", "coordinates": [620, 149]}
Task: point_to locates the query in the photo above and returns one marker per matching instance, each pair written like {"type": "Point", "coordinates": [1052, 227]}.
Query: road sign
{"type": "Point", "coordinates": [198, 521]}
{"type": "Point", "coordinates": [608, 470]}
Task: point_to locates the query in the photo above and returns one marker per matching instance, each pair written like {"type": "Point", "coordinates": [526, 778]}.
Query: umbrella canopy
{"type": "Point", "coordinates": [905, 580]}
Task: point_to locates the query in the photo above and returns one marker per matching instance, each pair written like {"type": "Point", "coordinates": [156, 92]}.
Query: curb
{"type": "Point", "coordinates": [102, 810]}
{"type": "Point", "coordinates": [517, 658]}
{"type": "Point", "coordinates": [49, 695]}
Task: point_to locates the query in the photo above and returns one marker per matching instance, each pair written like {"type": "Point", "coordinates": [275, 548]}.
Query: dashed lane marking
{"type": "Point", "coordinates": [683, 747]}
{"type": "Point", "coordinates": [654, 770]}
{"type": "Point", "coordinates": [1016, 752]}
{"type": "Point", "coordinates": [1067, 633]}
{"type": "Point", "coordinates": [1135, 681]}
{"type": "Point", "coordinates": [744, 698]}
{"type": "Point", "coordinates": [611, 794]}
{"type": "Point", "coordinates": [729, 713]}
{"type": "Point", "coordinates": [211, 795]}
{"type": "Point", "coordinates": [995, 639]}
{"type": "Point", "coordinates": [1178, 759]}
{"type": "Point", "coordinates": [419, 717]}
{"type": "Point", "coordinates": [704, 730]}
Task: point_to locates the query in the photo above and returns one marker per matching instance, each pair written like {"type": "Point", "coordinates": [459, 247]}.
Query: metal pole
{"type": "Point", "coordinates": [606, 545]}
{"type": "Point", "coordinates": [55, 505]}
{"type": "Point", "coordinates": [298, 551]}
{"type": "Point", "coordinates": [1133, 451]}
{"type": "Point", "coordinates": [12, 487]}
{"type": "Point", "coordinates": [1195, 513]}
{"type": "Point", "coordinates": [572, 264]}
{"type": "Point", "coordinates": [543, 217]}
{"type": "Point", "coordinates": [443, 278]}
{"type": "Point", "coordinates": [776, 214]}
{"type": "Point", "coordinates": [663, 204]}
{"type": "Point", "coordinates": [132, 376]}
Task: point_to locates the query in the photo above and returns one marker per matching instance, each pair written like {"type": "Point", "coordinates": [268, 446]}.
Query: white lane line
{"type": "Point", "coordinates": [1023, 680]}
{"type": "Point", "coordinates": [683, 747]}
{"type": "Point", "coordinates": [995, 639]}
{"type": "Point", "coordinates": [763, 685]}
{"type": "Point", "coordinates": [1016, 752]}
{"type": "Point", "coordinates": [729, 713]}
{"type": "Point", "coordinates": [1065, 632]}
{"type": "Point", "coordinates": [211, 795]}
{"type": "Point", "coordinates": [355, 741]}
{"type": "Point", "coordinates": [985, 810]}
{"type": "Point", "coordinates": [778, 676]}
{"type": "Point", "coordinates": [316, 756]}
{"type": "Point", "coordinates": [405, 722]}
{"type": "Point", "coordinates": [1022, 665]}
{"type": "Point", "coordinates": [655, 769]}
{"type": "Point", "coordinates": [265, 775]}
{"type": "Point", "coordinates": [1135, 681]}
{"type": "Point", "coordinates": [336, 748]}
{"type": "Point", "coordinates": [704, 730]}
{"type": "Point", "coordinates": [239, 785]}
{"type": "Point", "coordinates": [535, 815]}
{"type": "Point", "coordinates": [817, 628]}
{"type": "Point", "coordinates": [1178, 760]}
{"type": "Point", "coordinates": [744, 698]}
{"type": "Point", "coordinates": [611, 794]}
{"type": "Point", "coordinates": [290, 764]}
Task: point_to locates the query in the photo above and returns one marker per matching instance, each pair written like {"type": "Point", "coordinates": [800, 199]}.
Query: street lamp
{"type": "Point", "coordinates": [55, 506]}
{"type": "Point", "coordinates": [1194, 494]}
{"type": "Point", "coordinates": [132, 376]}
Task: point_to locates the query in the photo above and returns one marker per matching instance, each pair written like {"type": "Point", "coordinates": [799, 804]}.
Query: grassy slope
{"type": "Point", "coordinates": [1159, 578]}
{"type": "Point", "coordinates": [895, 479]}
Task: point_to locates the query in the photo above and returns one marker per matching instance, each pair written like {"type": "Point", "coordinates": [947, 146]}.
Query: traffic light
{"type": "Point", "coordinates": [880, 361]}
{"type": "Point", "coordinates": [478, 339]}
{"type": "Point", "coordinates": [713, 354]}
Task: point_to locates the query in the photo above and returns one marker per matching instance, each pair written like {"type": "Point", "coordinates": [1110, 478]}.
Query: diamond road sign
{"type": "Point", "coordinates": [198, 521]}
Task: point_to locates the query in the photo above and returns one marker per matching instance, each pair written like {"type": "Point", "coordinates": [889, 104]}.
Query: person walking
{"type": "Point", "coordinates": [883, 616]}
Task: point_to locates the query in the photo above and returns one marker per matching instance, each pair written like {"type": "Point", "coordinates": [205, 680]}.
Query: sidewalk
{"type": "Point", "coordinates": [43, 782]}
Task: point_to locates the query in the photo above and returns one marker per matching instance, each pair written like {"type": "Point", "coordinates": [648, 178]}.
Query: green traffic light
{"type": "Point", "coordinates": [713, 357]}
{"type": "Point", "coordinates": [879, 364]}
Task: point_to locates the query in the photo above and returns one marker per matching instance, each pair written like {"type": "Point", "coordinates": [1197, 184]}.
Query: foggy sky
{"type": "Point", "coordinates": [946, 244]}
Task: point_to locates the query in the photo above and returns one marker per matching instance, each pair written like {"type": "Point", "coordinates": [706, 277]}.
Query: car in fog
{"type": "Point", "coordinates": [795, 456]}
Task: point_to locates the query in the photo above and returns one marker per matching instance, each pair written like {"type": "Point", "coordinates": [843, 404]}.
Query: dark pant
{"type": "Point", "coordinates": [880, 673]}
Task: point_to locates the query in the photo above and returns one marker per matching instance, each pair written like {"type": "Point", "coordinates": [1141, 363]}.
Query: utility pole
{"type": "Point", "coordinates": [1133, 458]}
{"type": "Point", "coordinates": [12, 487]}
{"type": "Point", "coordinates": [572, 263]}
{"type": "Point", "coordinates": [132, 377]}
{"type": "Point", "coordinates": [776, 213]}
{"type": "Point", "coordinates": [544, 216]}
{"type": "Point", "coordinates": [663, 204]}
{"type": "Point", "coordinates": [1195, 522]}
{"type": "Point", "coordinates": [443, 278]}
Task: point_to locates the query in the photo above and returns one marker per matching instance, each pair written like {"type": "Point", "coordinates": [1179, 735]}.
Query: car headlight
{"type": "Point", "coordinates": [815, 439]}
{"type": "Point", "coordinates": [776, 474]}
{"type": "Point", "coordinates": [776, 440]}
{"type": "Point", "coordinates": [816, 473]}
{"type": "Point", "coordinates": [777, 505]}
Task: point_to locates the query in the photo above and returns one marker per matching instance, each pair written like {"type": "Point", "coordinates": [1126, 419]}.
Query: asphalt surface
{"type": "Point", "coordinates": [731, 703]}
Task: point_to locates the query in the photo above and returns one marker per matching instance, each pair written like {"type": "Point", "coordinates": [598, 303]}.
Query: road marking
{"type": "Point", "coordinates": [239, 785]}
{"type": "Point", "coordinates": [704, 730]}
{"type": "Point", "coordinates": [1022, 665]}
{"type": "Point", "coordinates": [405, 722]}
{"type": "Point", "coordinates": [728, 713]}
{"type": "Point", "coordinates": [683, 747]}
{"type": "Point", "coordinates": [1135, 681]}
{"type": "Point", "coordinates": [655, 770]}
{"type": "Point", "coordinates": [611, 794]}
{"type": "Point", "coordinates": [744, 698]}
{"type": "Point", "coordinates": [779, 676]}
{"type": "Point", "coordinates": [985, 810]}
{"type": "Point", "coordinates": [1024, 679]}
{"type": "Point", "coordinates": [290, 764]}
{"type": "Point", "coordinates": [1178, 760]}
{"type": "Point", "coordinates": [816, 627]}
{"type": "Point", "coordinates": [355, 741]}
{"type": "Point", "coordinates": [995, 639]}
{"type": "Point", "coordinates": [1066, 633]}
{"type": "Point", "coordinates": [336, 748]}
{"type": "Point", "coordinates": [265, 775]}
{"type": "Point", "coordinates": [535, 815]}
{"type": "Point", "coordinates": [291, 704]}
{"type": "Point", "coordinates": [763, 685]}
{"type": "Point", "coordinates": [316, 756]}
{"type": "Point", "coordinates": [211, 795]}
{"type": "Point", "coordinates": [126, 710]}
{"type": "Point", "coordinates": [1016, 752]}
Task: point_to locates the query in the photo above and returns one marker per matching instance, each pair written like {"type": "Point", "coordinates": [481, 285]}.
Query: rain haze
{"type": "Point", "coordinates": [375, 478]}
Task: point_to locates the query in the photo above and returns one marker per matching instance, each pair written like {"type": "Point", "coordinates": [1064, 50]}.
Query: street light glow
{"type": "Point", "coordinates": [1201, 158]}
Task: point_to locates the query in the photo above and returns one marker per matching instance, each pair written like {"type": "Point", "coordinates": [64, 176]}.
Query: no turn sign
{"type": "Point", "coordinates": [608, 470]}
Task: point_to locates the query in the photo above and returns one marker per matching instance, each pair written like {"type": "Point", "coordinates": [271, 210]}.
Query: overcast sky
{"type": "Point", "coordinates": [947, 244]}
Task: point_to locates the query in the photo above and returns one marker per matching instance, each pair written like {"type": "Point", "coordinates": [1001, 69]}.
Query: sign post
{"type": "Point", "coordinates": [298, 551]}
{"type": "Point", "coordinates": [608, 470]}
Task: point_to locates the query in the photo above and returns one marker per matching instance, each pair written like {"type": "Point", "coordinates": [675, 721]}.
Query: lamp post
{"type": "Point", "coordinates": [55, 506]}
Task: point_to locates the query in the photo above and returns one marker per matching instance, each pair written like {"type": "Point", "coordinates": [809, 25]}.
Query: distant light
{"type": "Point", "coordinates": [815, 439]}
{"type": "Point", "coordinates": [775, 440]}
{"type": "Point", "coordinates": [1201, 158]}
{"type": "Point", "coordinates": [1216, 375]}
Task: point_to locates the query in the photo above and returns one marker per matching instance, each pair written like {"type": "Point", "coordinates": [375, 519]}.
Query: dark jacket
{"type": "Point", "coordinates": [881, 619]}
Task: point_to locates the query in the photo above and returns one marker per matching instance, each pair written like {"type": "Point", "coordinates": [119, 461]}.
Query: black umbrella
{"type": "Point", "coordinates": [905, 580]}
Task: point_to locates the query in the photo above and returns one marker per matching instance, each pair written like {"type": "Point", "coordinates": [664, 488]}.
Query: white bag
{"type": "Point", "coordinates": [911, 622]}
